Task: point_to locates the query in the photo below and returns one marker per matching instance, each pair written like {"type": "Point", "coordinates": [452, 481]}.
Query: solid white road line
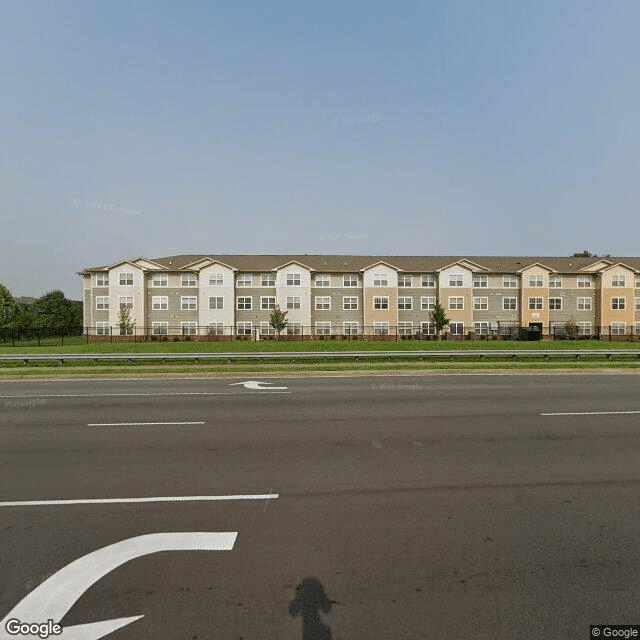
{"type": "Point", "coordinates": [590, 413]}
{"type": "Point", "coordinates": [135, 424]}
{"type": "Point", "coordinates": [41, 503]}
{"type": "Point", "coordinates": [168, 393]}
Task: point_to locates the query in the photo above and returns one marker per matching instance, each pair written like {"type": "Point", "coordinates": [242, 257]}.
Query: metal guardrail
{"type": "Point", "coordinates": [320, 355]}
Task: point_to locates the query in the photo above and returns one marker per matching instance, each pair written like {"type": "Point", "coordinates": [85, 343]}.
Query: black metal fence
{"type": "Point", "coordinates": [218, 333]}
{"type": "Point", "coordinates": [41, 337]}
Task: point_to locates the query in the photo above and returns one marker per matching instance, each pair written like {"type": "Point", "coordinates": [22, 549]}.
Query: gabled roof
{"type": "Point", "coordinates": [536, 264]}
{"type": "Point", "coordinates": [286, 264]}
{"type": "Point", "coordinates": [618, 264]}
{"type": "Point", "coordinates": [147, 261]}
{"type": "Point", "coordinates": [595, 266]}
{"type": "Point", "coordinates": [386, 264]}
{"type": "Point", "coordinates": [205, 262]}
{"type": "Point", "coordinates": [467, 264]}
{"type": "Point", "coordinates": [126, 261]}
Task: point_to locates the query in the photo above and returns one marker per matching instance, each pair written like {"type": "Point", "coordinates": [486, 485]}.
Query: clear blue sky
{"type": "Point", "coordinates": [464, 127]}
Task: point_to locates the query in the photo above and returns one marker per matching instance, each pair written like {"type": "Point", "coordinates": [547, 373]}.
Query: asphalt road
{"type": "Point", "coordinates": [430, 507]}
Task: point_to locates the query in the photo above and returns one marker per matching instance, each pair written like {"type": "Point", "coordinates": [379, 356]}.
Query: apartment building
{"type": "Point", "coordinates": [234, 295]}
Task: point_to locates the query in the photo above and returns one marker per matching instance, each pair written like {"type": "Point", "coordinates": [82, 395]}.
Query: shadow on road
{"type": "Point", "coordinates": [309, 600]}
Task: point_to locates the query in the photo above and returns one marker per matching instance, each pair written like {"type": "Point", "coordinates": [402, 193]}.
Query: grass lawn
{"type": "Point", "coordinates": [253, 369]}
{"type": "Point", "coordinates": [77, 345]}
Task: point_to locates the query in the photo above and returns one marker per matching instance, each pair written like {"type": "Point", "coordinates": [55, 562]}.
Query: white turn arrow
{"type": "Point", "coordinates": [254, 384]}
{"type": "Point", "coordinates": [55, 596]}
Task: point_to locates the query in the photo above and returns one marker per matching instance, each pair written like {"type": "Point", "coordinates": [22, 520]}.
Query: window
{"type": "Point", "coordinates": [509, 281]}
{"type": "Point", "coordinates": [555, 281]}
{"type": "Point", "coordinates": [125, 301]}
{"type": "Point", "coordinates": [480, 281]}
{"type": "Point", "coordinates": [456, 303]}
{"type": "Point", "coordinates": [555, 304]}
{"type": "Point", "coordinates": [160, 328]}
{"type": "Point", "coordinates": [126, 279]}
{"type": "Point", "coordinates": [428, 328]}
{"type": "Point", "coordinates": [509, 304]}
{"type": "Point", "coordinates": [216, 279]}
{"type": "Point", "coordinates": [294, 328]}
{"type": "Point", "coordinates": [102, 328]}
{"type": "Point", "coordinates": [323, 328]}
{"type": "Point", "coordinates": [216, 302]}
{"type": "Point", "coordinates": [428, 280]}
{"type": "Point", "coordinates": [584, 304]}
{"type": "Point", "coordinates": [405, 328]}
{"type": "Point", "coordinates": [404, 280]}
{"type": "Point", "coordinates": [157, 280]}
{"type": "Point", "coordinates": [267, 304]}
{"type": "Point", "coordinates": [381, 302]}
{"type": "Point", "coordinates": [405, 304]}
{"type": "Point", "coordinates": [323, 303]}
{"type": "Point", "coordinates": [350, 328]}
{"type": "Point", "coordinates": [481, 328]}
{"type": "Point", "coordinates": [618, 280]}
{"type": "Point", "coordinates": [380, 328]}
{"type": "Point", "coordinates": [102, 280]}
{"type": "Point", "coordinates": [350, 304]}
{"type": "Point", "coordinates": [323, 280]}
{"type": "Point", "coordinates": [293, 279]}
{"type": "Point", "coordinates": [637, 282]}
{"type": "Point", "coordinates": [535, 304]}
{"type": "Point", "coordinates": [293, 302]}
{"type": "Point", "coordinates": [350, 280]}
{"type": "Point", "coordinates": [636, 328]}
{"type": "Point", "coordinates": [244, 280]}
{"type": "Point", "coordinates": [618, 304]}
{"type": "Point", "coordinates": [188, 303]}
{"type": "Point", "coordinates": [584, 282]}
{"type": "Point", "coordinates": [618, 328]}
{"type": "Point", "coordinates": [427, 303]}
{"type": "Point", "coordinates": [160, 303]}
{"type": "Point", "coordinates": [455, 279]}
{"type": "Point", "coordinates": [584, 328]}
{"type": "Point", "coordinates": [216, 328]}
{"type": "Point", "coordinates": [266, 329]}
{"type": "Point", "coordinates": [380, 279]}
{"type": "Point", "coordinates": [189, 280]}
{"type": "Point", "coordinates": [102, 302]}
{"type": "Point", "coordinates": [245, 328]}
{"type": "Point", "coordinates": [535, 281]}
{"type": "Point", "coordinates": [268, 280]}
{"type": "Point", "coordinates": [245, 303]}
{"type": "Point", "coordinates": [636, 302]}
{"type": "Point", "coordinates": [480, 304]}
{"type": "Point", "coordinates": [457, 328]}
{"type": "Point", "coordinates": [189, 328]}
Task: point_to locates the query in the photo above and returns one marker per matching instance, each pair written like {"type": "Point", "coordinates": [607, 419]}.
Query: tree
{"type": "Point", "coordinates": [439, 318]}
{"type": "Point", "coordinates": [54, 311]}
{"type": "Point", "coordinates": [278, 320]}
{"type": "Point", "coordinates": [9, 309]}
{"type": "Point", "coordinates": [588, 254]}
{"type": "Point", "coordinates": [125, 322]}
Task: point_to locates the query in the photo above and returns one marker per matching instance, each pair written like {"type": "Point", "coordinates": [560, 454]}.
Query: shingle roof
{"type": "Point", "coordinates": [409, 264]}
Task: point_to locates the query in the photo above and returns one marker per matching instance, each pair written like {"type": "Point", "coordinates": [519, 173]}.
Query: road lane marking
{"type": "Point", "coordinates": [40, 503]}
{"type": "Point", "coordinates": [56, 595]}
{"type": "Point", "coordinates": [132, 424]}
{"type": "Point", "coordinates": [108, 395]}
{"type": "Point", "coordinates": [590, 413]}
{"type": "Point", "coordinates": [255, 385]}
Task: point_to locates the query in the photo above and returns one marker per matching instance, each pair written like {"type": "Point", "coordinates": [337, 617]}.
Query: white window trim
{"type": "Point", "coordinates": [159, 303]}
{"type": "Point", "coordinates": [402, 306]}
{"type": "Point", "coordinates": [188, 307]}
{"type": "Point", "coordinates": [216, 279]}
{"type": "Point", "coordinates": [323, 300]}
{"type": "Point", "coordinates": [101, 306]}
{"type": "Point", "coordinates": [353, 299]}
{"type": "Point", "coordinates": [160, 280]}
{"type": "Point", "coordinates": [478, 303]}
{"type": "Point", "coordinates": [215, 306]}
{"type": "Point", "coordinates": [384, 300]}
{"type": "Point", "coordinates": [456, 307]}
{"type": "Point", "coordinates": [244, 307]}
{"type": "Point", "coordinates": [265, 300]}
